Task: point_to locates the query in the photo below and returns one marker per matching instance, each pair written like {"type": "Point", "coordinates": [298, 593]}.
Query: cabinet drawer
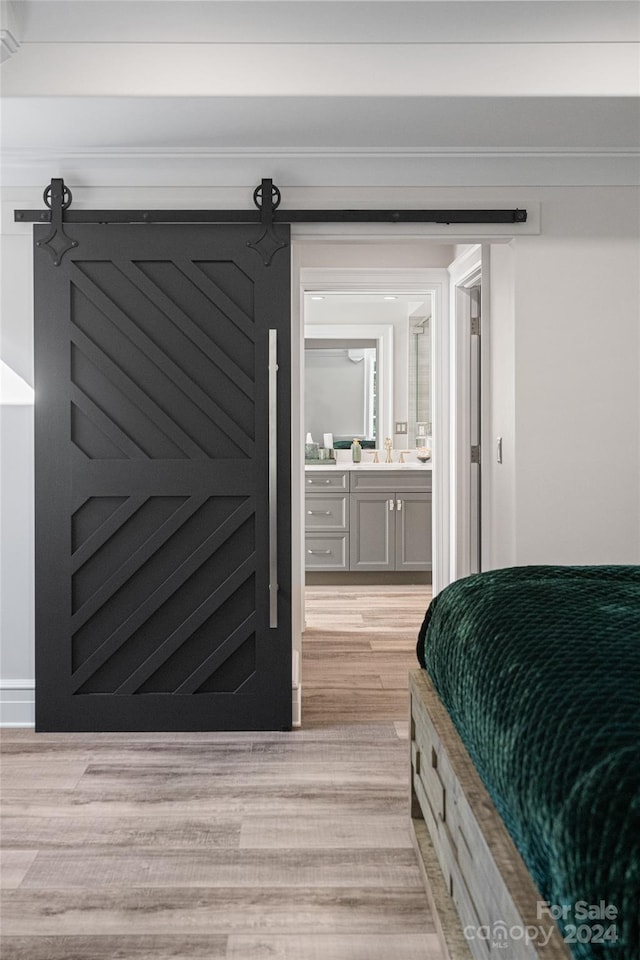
{"type": "Point", "coordinates": [326, 553]}
{"type": "Point", "coordinates": [330, 512]}
{"type": "Point", "coordinates": [418, 481]}
{"type": "Point", "coordinates": [318, 480]}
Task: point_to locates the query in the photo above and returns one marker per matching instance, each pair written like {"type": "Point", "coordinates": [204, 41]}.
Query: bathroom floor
{"type": "Point", "coordinates": [357, 649]}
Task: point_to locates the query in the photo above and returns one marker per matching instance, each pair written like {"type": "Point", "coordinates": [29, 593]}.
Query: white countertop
{"type": "Point", "coordinates": [381, 467]}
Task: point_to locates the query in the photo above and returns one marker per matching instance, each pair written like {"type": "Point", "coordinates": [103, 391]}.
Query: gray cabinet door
{"type": "Point", "coordinates": [413, 531]}
{"type": "Point", "coordinates": [372, 534]}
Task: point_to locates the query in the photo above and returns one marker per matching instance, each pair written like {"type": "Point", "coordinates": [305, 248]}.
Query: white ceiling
{"type": "Point", "coordinates": [365, 80]}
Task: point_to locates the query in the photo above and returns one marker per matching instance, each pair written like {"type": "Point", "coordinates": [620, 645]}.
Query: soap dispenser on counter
{"type": "Point", "coordinates": [356, 451]}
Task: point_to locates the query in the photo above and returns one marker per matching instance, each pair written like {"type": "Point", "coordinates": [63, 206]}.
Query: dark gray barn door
{"type": "Point", "coordinates": [158, 508]}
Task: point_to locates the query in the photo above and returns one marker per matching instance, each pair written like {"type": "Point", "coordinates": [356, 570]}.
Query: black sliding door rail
{"type": "Point", "coordinates": [288, 216]}
{"type": "Point", "coordinates": [267, 199]}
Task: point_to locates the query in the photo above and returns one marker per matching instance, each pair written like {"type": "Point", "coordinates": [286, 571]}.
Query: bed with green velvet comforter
{"type": "Point", "coordinates": [539, 669]}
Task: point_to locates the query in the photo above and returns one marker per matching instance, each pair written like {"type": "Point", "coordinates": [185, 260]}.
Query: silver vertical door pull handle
{"type": "Point", "coordinates": [391, 504]}
{"type": "Point", "coordinates": [273, 478]}
{"type": "Point", "coordinates": [399, 505]}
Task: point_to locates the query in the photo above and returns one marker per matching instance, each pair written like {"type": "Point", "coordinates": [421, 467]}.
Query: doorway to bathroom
{"type": "Point", "coordinates": [368, 436]}
{"type": "Point", "coordinates": [372, 295]}
{"type": "Point", "coordinates": [368, 530]}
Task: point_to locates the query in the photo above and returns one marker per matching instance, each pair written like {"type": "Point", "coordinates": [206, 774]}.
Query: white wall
{"type": "Point", "coordinates": [16, 487]}
{"type": "Point", "coordinates": [565, 360]}
{"type": "Point", "coordinates": [565, 346]}
{"type": "Point", "coordinates": [577, 383]}
{"type": "Point", "coordinates": [499, 548]}
{"type": "Point", "coordinates": [16, 564]}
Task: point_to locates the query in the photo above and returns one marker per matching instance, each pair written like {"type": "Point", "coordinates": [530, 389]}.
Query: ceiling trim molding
{"type": "Point", "coordinates": [323, 171]}
{"type": "Point", "coordinates": [37, 154]}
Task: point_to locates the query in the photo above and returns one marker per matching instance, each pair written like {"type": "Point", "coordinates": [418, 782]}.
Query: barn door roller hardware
{"type": "Point", "coordinates": [266, 197]}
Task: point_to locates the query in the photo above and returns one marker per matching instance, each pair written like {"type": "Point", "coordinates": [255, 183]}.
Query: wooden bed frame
{"type": "Point", "coordinates": [483, 897]}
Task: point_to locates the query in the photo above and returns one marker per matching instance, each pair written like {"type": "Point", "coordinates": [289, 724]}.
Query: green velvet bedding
{"type": "Point", "coordinates": [539, 668]}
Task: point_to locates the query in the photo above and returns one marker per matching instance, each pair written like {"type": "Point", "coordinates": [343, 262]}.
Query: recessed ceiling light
{"type": "Point", "coordinates": [317, 298]}
{"type": "Point", "coordinates": [389, 298]}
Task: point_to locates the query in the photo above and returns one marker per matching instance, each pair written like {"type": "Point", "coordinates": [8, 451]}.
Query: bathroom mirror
{"type": "Point", "coordinates": [341, 389]}
{"type": "Point", "coordinates": [348, 381]}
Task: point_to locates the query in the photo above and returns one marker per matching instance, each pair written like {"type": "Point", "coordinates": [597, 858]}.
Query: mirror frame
{"type": "Point", "coordinates": [382, 333]}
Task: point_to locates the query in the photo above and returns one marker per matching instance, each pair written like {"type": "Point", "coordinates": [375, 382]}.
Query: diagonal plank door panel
{"type": "Point", "coordinates": [152, 483]}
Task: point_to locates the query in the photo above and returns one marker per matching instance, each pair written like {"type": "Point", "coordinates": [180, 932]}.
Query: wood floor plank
{"type": "Point", "coordinates": [336, 744]}
{"type": "Point", "coordinates": [356, 947]}
{"type": "Point", "coordinates": [132, 830]}
{"type": "Point", "coordinates": [390, 630]}
{"type": "Point", "coordinates": [406, 645]}
{"type": "Point", "coordinates": [84, 868]}
{"type": "Point", "coordinates": [17, 762]}
{"type": "Point", "coordinates": [216, 910]}
{"type": "Point", "coordinates": [355, 662]}
{"type": "Point", "coordinates": [318, 680]}
{"type": "Point", "coordinates": [14, 734]}
{"type": "Point", "coordinates": [310, 833]}
{"type": "Point", "coordinates": [155, 782]}
{"type": "Point", "coordinates": [320, 751]}
{"type": "Point", "coordinates": [111, 947]}
{"type": "Point", "coordinates": [52, 775]}
{"type": "Point", "coordinates": [338, 642]}
{"type": "Point", "coordinates": [326, 618]}
{"type": "Point", "coordinates": [43, 744]}
{"type": "Point", "coordinates": [330, 798]}
{"type": "Point", "coordinates": [14, 865]}
{"type": "Point", "coordinates": [153, 739]}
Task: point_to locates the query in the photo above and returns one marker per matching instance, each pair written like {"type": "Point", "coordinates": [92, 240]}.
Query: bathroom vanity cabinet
{"type": "Point", "coordinates": [326, 508]}
{"type": "Point", "coordinates": [368, 520]}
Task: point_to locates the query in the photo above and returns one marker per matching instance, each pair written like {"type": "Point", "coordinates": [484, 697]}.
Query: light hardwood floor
{"type": "Point", "coordinates": [358, 646]}
{"type": "Point", "coordinates": [293, 846]}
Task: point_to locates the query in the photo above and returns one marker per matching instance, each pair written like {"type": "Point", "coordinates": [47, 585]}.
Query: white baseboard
{"type": "Point", "coordinates": [17, 703]}
{"type": "Point", "coordinates": [296, 706]}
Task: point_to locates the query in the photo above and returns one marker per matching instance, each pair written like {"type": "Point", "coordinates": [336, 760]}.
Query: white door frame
{"type": "Point", "coordinates": [465, 272]}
